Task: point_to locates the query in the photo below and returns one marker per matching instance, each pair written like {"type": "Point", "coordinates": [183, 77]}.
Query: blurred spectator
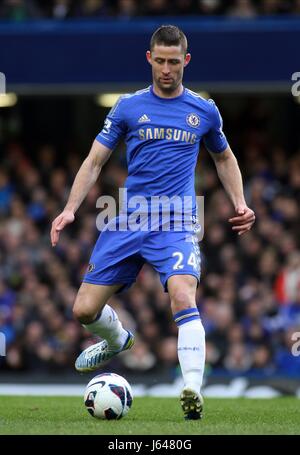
{"type": "Point", "coordinates": [139, 358]}
{"type": "Point", "coordinates": [242, 9]}
{"type": "Point", "coordinates": [209, 7]}
{"type": "Point", "coordinates": [287, 284]}
{"type": "Point", "coordinates": [61, 9]}
{"type": "Point", "coordinates": [183, 7]}
{"type": "Point", "coordinates": [92, 8]}
{"type": "Point", "coordinates": [290, 312]}
{"type": "Point", "coordinates": [238, 359]}
{"type": "Point", "coordinates": [6, 192]}
{"type": "Point", "coordinates": [262, 361]}
{"type": "Point", "coordinates": [19, 10]}
{"type": "Point", "coordinates": [296, 7]}
{"type": "Point", "coordinates": [126, 9]}
{"type": "Point", "coordinates": [156, 8]}
{"type": "Point", "coordinates": [166, 352]}
{"type": "Point", "coordinates": [271, 6]}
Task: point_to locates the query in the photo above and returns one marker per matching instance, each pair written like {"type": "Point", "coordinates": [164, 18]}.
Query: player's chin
{"type": "Point", "coordinates": [167, 83]}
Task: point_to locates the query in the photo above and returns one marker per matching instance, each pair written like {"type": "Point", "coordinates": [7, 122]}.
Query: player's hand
{"type": "Point", "coordinates": [244, 220]}
{"type": "Point", "coordinates": [66, 217]}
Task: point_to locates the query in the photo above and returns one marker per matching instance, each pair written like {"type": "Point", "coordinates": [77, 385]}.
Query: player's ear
{"type": "Point", "coordinates": [148, 57]}
{"type": "Point", "coordinates": [187, 59]}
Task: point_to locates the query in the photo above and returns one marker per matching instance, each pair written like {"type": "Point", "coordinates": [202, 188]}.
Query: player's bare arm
{"type": "Point", "coordinates": [231, 178]}
{"type": "Point", "coordinates": [84, 180]}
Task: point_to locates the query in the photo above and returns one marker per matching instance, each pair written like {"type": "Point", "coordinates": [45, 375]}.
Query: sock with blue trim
{"type": "Point", "coordinates": [108, 326]}
{"type": "Point", "coordinates": [191, 347]}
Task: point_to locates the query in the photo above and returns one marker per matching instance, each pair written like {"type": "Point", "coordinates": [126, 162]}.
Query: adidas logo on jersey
{"type": "Point", "coordinates": [144, 118]}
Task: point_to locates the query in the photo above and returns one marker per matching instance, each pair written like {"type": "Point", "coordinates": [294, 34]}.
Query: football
{"type": "Point", "coordinates": [108, 396]}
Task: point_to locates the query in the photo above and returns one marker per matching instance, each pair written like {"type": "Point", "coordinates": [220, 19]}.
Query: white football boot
{"type": "Point", "coordinates": [91, 358]}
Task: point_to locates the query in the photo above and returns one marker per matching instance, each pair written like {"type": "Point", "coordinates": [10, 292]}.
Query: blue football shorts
{"type": "Point", "coordinates": [118, 256]}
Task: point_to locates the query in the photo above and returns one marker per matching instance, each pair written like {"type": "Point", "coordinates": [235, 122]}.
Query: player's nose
{"type": "Point", "coordinates": [166, 70]}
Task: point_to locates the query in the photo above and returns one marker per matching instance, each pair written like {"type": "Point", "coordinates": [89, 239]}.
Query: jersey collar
{"type": "Point", "coordinates": [167, 99]}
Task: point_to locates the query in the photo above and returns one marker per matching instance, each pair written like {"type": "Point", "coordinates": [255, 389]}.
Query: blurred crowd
{"type": "Point", "coordinates": [249, 295]}
{"type": "Point", "coordinates": [19, 10]}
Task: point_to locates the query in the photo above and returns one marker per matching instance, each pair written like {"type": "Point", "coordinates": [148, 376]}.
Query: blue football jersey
{"type": "Point", "coordinates": [163, 137]}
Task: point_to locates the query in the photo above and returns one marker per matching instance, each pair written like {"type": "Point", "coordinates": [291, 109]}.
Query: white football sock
{"type": "Point", "coordinates": [191, 352]}
{"type": "Point", "coordinates": [109, 327]}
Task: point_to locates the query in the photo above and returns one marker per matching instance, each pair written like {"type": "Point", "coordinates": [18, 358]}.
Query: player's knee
{"type": "Point", "coordinates": [182, 300]}
{"type": "Point", "coordinates": [83, 311]}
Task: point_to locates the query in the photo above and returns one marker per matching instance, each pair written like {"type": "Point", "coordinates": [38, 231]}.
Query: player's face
{"type": "Point", "coordinates": [168, 64]}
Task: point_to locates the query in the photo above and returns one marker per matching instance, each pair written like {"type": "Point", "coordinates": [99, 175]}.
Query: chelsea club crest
{"type": "Point", "coordinates": [193, 120]}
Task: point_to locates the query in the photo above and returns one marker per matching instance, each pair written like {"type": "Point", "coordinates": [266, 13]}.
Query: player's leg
{"type": "Point", "coordinates": [176, 256]}
{"type": "Point", "coordinates": [97, 317]}
{"type": "Point", "coordinates": [191, 341]}
{"type": "Point", "coordinates": [114, 265]}
{"type": "Point", "coordinates": [91, 310]}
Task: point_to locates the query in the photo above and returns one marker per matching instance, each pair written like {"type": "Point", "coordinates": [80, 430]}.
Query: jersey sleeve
{"type": "Point", "coordinates": [114, 127]}
{"type": "Point", "coordinates": [215, 140]}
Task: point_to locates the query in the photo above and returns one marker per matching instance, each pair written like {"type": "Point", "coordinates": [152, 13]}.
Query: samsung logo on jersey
{"type": "Point", "coordinates": [170, 134]}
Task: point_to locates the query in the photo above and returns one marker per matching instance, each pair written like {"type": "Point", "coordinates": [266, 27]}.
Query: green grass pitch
{"type": "Point", "coordinates": [149, 416]}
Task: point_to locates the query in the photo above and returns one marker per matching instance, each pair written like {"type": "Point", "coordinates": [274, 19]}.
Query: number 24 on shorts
{"type": "Point", "coordinates": [192, 261]}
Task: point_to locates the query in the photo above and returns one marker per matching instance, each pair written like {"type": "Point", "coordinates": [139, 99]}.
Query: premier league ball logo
{"type": "Point", "coordinates": [193, 120]}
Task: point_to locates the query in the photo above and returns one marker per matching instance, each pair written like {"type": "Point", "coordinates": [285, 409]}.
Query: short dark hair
{"type": "Point", "coordinates": [169, 35]}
